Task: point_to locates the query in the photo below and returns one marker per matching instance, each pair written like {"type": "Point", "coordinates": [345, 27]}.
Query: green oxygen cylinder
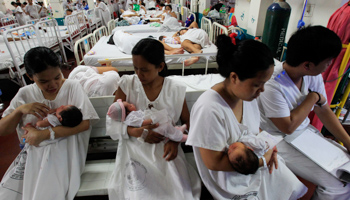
{"type": "Point", "coordinates": [275, 28]}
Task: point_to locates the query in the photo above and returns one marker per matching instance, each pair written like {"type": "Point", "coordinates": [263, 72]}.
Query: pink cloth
{"type": "Point", "coordinates": [339, 22]}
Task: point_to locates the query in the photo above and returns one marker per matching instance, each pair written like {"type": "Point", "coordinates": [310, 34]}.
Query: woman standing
{"type": "Point", "coordinates": [104, 12]}
{"type": "Point", "coordinates": [20, 15]}
{"type": "Point", "coordinates": [225, 113]}
{"type": "Point", "coordinates": [52, 171]}
{"type": "Point", "coordinates": [152, 169]}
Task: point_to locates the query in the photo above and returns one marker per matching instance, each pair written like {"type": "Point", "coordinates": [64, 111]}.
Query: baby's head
{"type": "Point", "coordinates": [162, 37]}
{"type": "Point", "coordinates": [69, 115]}
{"type": "Point", "coordinates": [120, 109]}
{"type": "Point", "coordinates": [242, 158]}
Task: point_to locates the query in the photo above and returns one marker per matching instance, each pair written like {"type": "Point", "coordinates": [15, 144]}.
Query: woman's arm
{"type": "Point", "coordinates": [173, 14]}
{"type": "Point", "coordinates": [152, 137]}
{"type": "Point", "coordinates": [34, 136]}
{"type": "Point", "coordinates": [9, 123]}
{"type": "Point", "coordinates": [185, 115]}
{"type": "Point", "coordinates": [219, 161]}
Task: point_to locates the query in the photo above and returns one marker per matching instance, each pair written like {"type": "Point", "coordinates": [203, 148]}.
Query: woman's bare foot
{"type": "Point", "coordinates": [176, 51]}
{"type": "Point", "coordinates": [191, 61]}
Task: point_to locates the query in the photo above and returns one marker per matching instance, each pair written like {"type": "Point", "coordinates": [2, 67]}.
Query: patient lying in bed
{"type": "Point", "coordinates": [126, 41]}
{"type": "Point", "coordinates": [125, 112]}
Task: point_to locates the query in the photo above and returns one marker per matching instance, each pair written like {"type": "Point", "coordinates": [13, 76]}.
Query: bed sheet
{"type": "Point", "coordinates": [104, 51]}
{"type": "Point", "coordinates": [198, 82]}
{"type": "Point", "coordinates": [137, 28]}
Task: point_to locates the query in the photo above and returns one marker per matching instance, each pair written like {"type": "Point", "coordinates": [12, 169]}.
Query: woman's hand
{"type": "Point", "coordinates": [170, 150]}
{"type": "Point", "coordinates": [40, 110]}
{"type": "Point", "coordinates": [33, 136]}
{"type": "Point", "coordinates": [153, 137]}
{"type": "Point", "coordinates": [271, 159]}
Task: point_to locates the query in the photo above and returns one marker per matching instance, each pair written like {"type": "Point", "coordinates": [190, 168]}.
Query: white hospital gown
{"type": "Point", "coordinates": [125, 41]}
{"type": "Point", "coordinates": [21, 17]}
{"type": "Point", "coordinates": [196, 35]}
{"type": "Point", "coordinates": [104, 13]}
{"type": "Point", "coordinates": [33, 10]}
{"type": "Point", "coordinates": [95, 84]}
{"type": "Point", "coordinates": [214, 126]}
{"type": "Point", "coordinates": [141, 172]}
{"type": "Point", "coordinates": [52, 171]}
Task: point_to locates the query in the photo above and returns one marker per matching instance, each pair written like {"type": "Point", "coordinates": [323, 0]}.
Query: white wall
{"type": "Point", "coordinates": [322, 11]}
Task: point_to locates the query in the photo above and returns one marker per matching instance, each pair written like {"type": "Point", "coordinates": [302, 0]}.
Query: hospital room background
{"type": "Point", "coordinates": [249, 15]}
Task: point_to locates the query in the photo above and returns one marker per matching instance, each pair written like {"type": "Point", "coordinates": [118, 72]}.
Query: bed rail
{"type": "Point", "coordinates": [82, 23]}
{"type": "Point", "coordinates": [194, 16]}
{"type": "Point", "coordinates": [184, 13]}
{"type": "Point", "coordinates": [32, 21]}
{"type": "Point", "coordinates": [218, 29]}
{"type": "Point", "coordinates": [207, 26]}
{"type": "Point", "coordinates": [206, 56]}
{"type": "Point", "coordinates": [23, 38]}
{"type": "Point", "coordinates": [73, 28]}
{"type": "Point", "coordinates": [111, 25]}
{"type": "Point", "coordinates": [98, 33]}
{"type": "Point", "coordinates": [49, 35]}
{"type": "Point", "coordinates": [83, 46]}
{"type": "Point", "coordinates": [5, 21]}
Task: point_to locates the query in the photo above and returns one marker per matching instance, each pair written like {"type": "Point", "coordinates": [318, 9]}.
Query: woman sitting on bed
{"type": "Point", "coordinates": [153, 169]}
{"type": "Point", "coordinates": [41, 172]}
{"type": "Point", "coordinates": [168, 13]}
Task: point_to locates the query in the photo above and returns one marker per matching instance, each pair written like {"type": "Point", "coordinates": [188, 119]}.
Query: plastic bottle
{"type": "Point", "coordinates": [275, 28]}
{"type": "Point", "coordinates": [222, 11]}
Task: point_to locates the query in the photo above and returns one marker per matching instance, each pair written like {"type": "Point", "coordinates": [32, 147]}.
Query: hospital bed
{"type": "Point", "coordinates": [93, 21]}
{"type": "Point", "coordinates": [81, 48]}
{"type": "Point", "coordinates": [141, 28]}
{"type": "Point", "coordinates": [111, 55]}
{"type": "Point", "coordinates": [97, 173]}
{"type": "Point", "coordinates": [6, 21]}
{"type": "Point", "coordinates": [44, 33]}
{"type": "Point", "coordinates": [73, 32]}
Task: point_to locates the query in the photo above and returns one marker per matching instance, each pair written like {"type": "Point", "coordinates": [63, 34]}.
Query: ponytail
{"type": "Point", "coordinates": [246, 59]}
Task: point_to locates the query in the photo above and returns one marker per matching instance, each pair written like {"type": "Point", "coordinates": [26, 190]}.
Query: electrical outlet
{"type": "Point", "coordinates": [309, 11]}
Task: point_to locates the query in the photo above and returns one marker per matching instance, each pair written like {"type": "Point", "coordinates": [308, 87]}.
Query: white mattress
{"type": "Point", "coordinates": [107, 51]}
{"type": "Point", "coordinates": [198, 82]}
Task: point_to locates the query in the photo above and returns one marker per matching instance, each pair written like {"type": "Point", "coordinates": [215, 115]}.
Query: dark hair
{"type": "Point", "coordinates": [13, 3]}
{"type": "Point", "coordinates": [161, 5]}
{"type": "Point", "coordinates": [249, 165]}
{"type": "Point", "coordinates": [153, 51]}
{"type": "Point", "coordinates": [71, 117]}
{"type": "Point", "coordinates": [161, 37]}
{"type": "Point", "coordinates": [178, 33]}
{"type": "Point", "coordinates": [39, 59]}
{"type": "Point", "coordinates": [313, 44]}
{"type": "Point", "coordinates": [70, 10]}
{"type": "Point", "coordinates": [171, 8]}
{"type": "Point", "coordinates": [25, 3]}
{"type": "Point", "coordinates": [246, 59]}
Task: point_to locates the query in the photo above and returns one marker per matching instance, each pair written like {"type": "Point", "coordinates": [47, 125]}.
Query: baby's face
{"type": "Point", "coordinates": [236, 152]}
{"type": "Point", "coordinates": [183, 32]}
{"type": "Point", "coordinates": [129, 107]}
